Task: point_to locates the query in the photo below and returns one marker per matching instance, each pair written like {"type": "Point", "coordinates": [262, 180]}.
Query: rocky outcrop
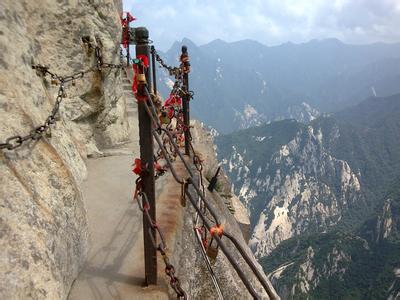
{"type": "Point", "coordinates": [300, 188]}
{"type": "Point", "coordinates": [385, 224]}
{"type": "Point", "coordinates": [43, 226]}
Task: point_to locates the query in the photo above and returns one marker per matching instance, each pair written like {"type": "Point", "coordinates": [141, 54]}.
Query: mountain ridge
{"type": "Point", "coordinates": [320, 195]}
{"type": "Point", "coordinates": [273, 83]}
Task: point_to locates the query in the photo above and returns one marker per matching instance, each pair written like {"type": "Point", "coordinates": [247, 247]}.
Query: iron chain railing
{"type": "Point", "coordinates": [206, 222]}
{"type": "Point", "coordinates": [215, 227]}
{"type": "Point", "coordinates": [37, 133]}
{"type": "Point", "coordinates": [173, 71]}
{"type": "Point", "coordinates": [144, 206]}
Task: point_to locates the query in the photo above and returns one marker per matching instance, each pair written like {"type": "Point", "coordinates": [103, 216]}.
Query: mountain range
{"type": "Point", "coordinates": [324, 200]}
{"type": "Point", "coordinates": [249, 83]}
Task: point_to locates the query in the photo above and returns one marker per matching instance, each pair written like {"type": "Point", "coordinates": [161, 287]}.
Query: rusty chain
{"type": "Point", "coordinates": [37, 133]}
{"type": "Point", "coordinates": [144, 206]}
{"type": "Point", "coordinates": [177, 72]}
{"type": "Point", "coordinates": [173, 71]}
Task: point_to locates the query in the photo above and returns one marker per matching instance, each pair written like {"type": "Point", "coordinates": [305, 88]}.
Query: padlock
{"type": "Point", "coordinates": [73, 83]}
{"type": "Point", "coordinates": [183, 200]}
{"type": "Point", "coordinates": [212, 251]}
{"type": "Point", "coordinates": [183, 194]}
{"type": "Point", "coordinates": [141, 78]}
{"type": "Point", "coordinates": [164, 118]}
{"type": "Point", "coordinates": [54, 81]}
{"type": "Point", "coordinates": [48, 132]}
{"type": "Point", "coordinates": [64, 94]}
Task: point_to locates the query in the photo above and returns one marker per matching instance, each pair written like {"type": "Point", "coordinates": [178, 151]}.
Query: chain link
{"type": "Point", "coordinates": [177, 72]}
{"type": "Point", "coordinates": [144, 206]}
{"type": "Point", "coordinates": [173, 71]}
{"type": "Point", "coordinates": [37, 133]}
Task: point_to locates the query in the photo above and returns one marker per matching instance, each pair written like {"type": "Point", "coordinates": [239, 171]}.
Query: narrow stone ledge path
{"type": "Point", "coordinates": [115, 265]}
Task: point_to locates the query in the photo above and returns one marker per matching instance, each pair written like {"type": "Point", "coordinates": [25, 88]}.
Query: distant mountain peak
{"type": "Point", "coordinates": [217, 42]}
{"type": "Point", "coordinates": [188, 42]}
{"type": "Point", "coordinates": [330, 41]}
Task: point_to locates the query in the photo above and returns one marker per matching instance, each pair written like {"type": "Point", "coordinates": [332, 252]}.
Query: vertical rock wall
{"type": "Point", "coordinates": [43, 226]}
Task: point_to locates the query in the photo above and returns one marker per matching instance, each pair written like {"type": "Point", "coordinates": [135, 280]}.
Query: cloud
{"type": "Point", "coordinates": [268, 21]}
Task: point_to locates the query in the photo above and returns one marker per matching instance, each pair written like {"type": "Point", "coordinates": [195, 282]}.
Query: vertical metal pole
{"type": "Point", "coordinates": [128, 37]}
{"type": "Point", "coordinates": [153, 70]}
{"type": "Point", "coordinates": [127, 54]}
{"type": "Point", "coordinates": [147, 159]}
{"type": "Point", "coordinates": [186, 98]}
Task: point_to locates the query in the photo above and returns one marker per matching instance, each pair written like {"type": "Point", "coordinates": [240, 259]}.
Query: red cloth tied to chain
{"type": "Point", "coordinates": [129, 17]}
{"type": "Point", "coordinates": [217, 229]}
{"type": "Point", "coordinates": [125, 28]}
{"type": "Point", "coordinates": [137, 166]}
{"type": "Point", "coordinates": [171, 103]}
{"type": "Point", "coordinates": [173, 100]}
{"type": "Point", "coordinates": [136, 70]}
{"type": "Point", "coordinates": [138, 169]}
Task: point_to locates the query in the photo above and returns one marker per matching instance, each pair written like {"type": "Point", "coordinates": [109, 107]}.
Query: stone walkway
{"type": "Point", "coordinates": [115, 267]}
{"type": "Point", "coordinates": [115, 264]}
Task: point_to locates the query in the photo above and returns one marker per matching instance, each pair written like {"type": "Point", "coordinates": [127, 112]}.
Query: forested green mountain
{"type": "Point", "coordinates": [324, 199]}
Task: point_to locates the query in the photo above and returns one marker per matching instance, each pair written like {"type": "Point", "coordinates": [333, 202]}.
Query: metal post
{"type": "Point", "coordinates": [147, 160]}
{"type": "Point", "coordinates": [153, 70]}
{"type": "Point", "coordinates": [127, 54]}
{"type": "Point", "coordinates": [127, 36]}
{"type": "Point", "coordinates": [185, 64]}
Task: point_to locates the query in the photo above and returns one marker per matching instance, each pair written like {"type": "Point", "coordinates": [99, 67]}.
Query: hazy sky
{"type": "Point", "coordinates": [270, 22]}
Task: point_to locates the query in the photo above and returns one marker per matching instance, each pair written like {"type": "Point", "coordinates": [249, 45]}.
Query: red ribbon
{"type": "Point", "coordinates": [173, 100]}
{"type": "Point", "coordinates": [170, 104]}
{"type": "Point", "coordinates": [125, 27]}
{"type": "Point", "coordinates": [217, 229]}
{"type": "Point", "coordinates": [129, 17]}
{"type": "Point", "coordinates": [137, 166]}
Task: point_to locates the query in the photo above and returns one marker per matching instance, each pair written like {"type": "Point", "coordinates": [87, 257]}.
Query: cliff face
{"type": "Point", "coordinates": [43, 226]}
{"type": "Point", "coordinates": [311, 197]}
{"type": "Point", "coordinates": [296, 186]}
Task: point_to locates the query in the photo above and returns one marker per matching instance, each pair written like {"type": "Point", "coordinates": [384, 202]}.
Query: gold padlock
{"type": "Point", "coordinates": [54, 81]}
{"type": "Point", "coordinates": [141, 78]}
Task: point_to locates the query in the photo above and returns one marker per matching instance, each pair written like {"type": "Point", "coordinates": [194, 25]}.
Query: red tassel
{"type": "Point", "coordinates": [137, 167]}
{"type": "Point", "coordinates": [129, 17]}
{"type": "Point", "coordinates": [125, 27]}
